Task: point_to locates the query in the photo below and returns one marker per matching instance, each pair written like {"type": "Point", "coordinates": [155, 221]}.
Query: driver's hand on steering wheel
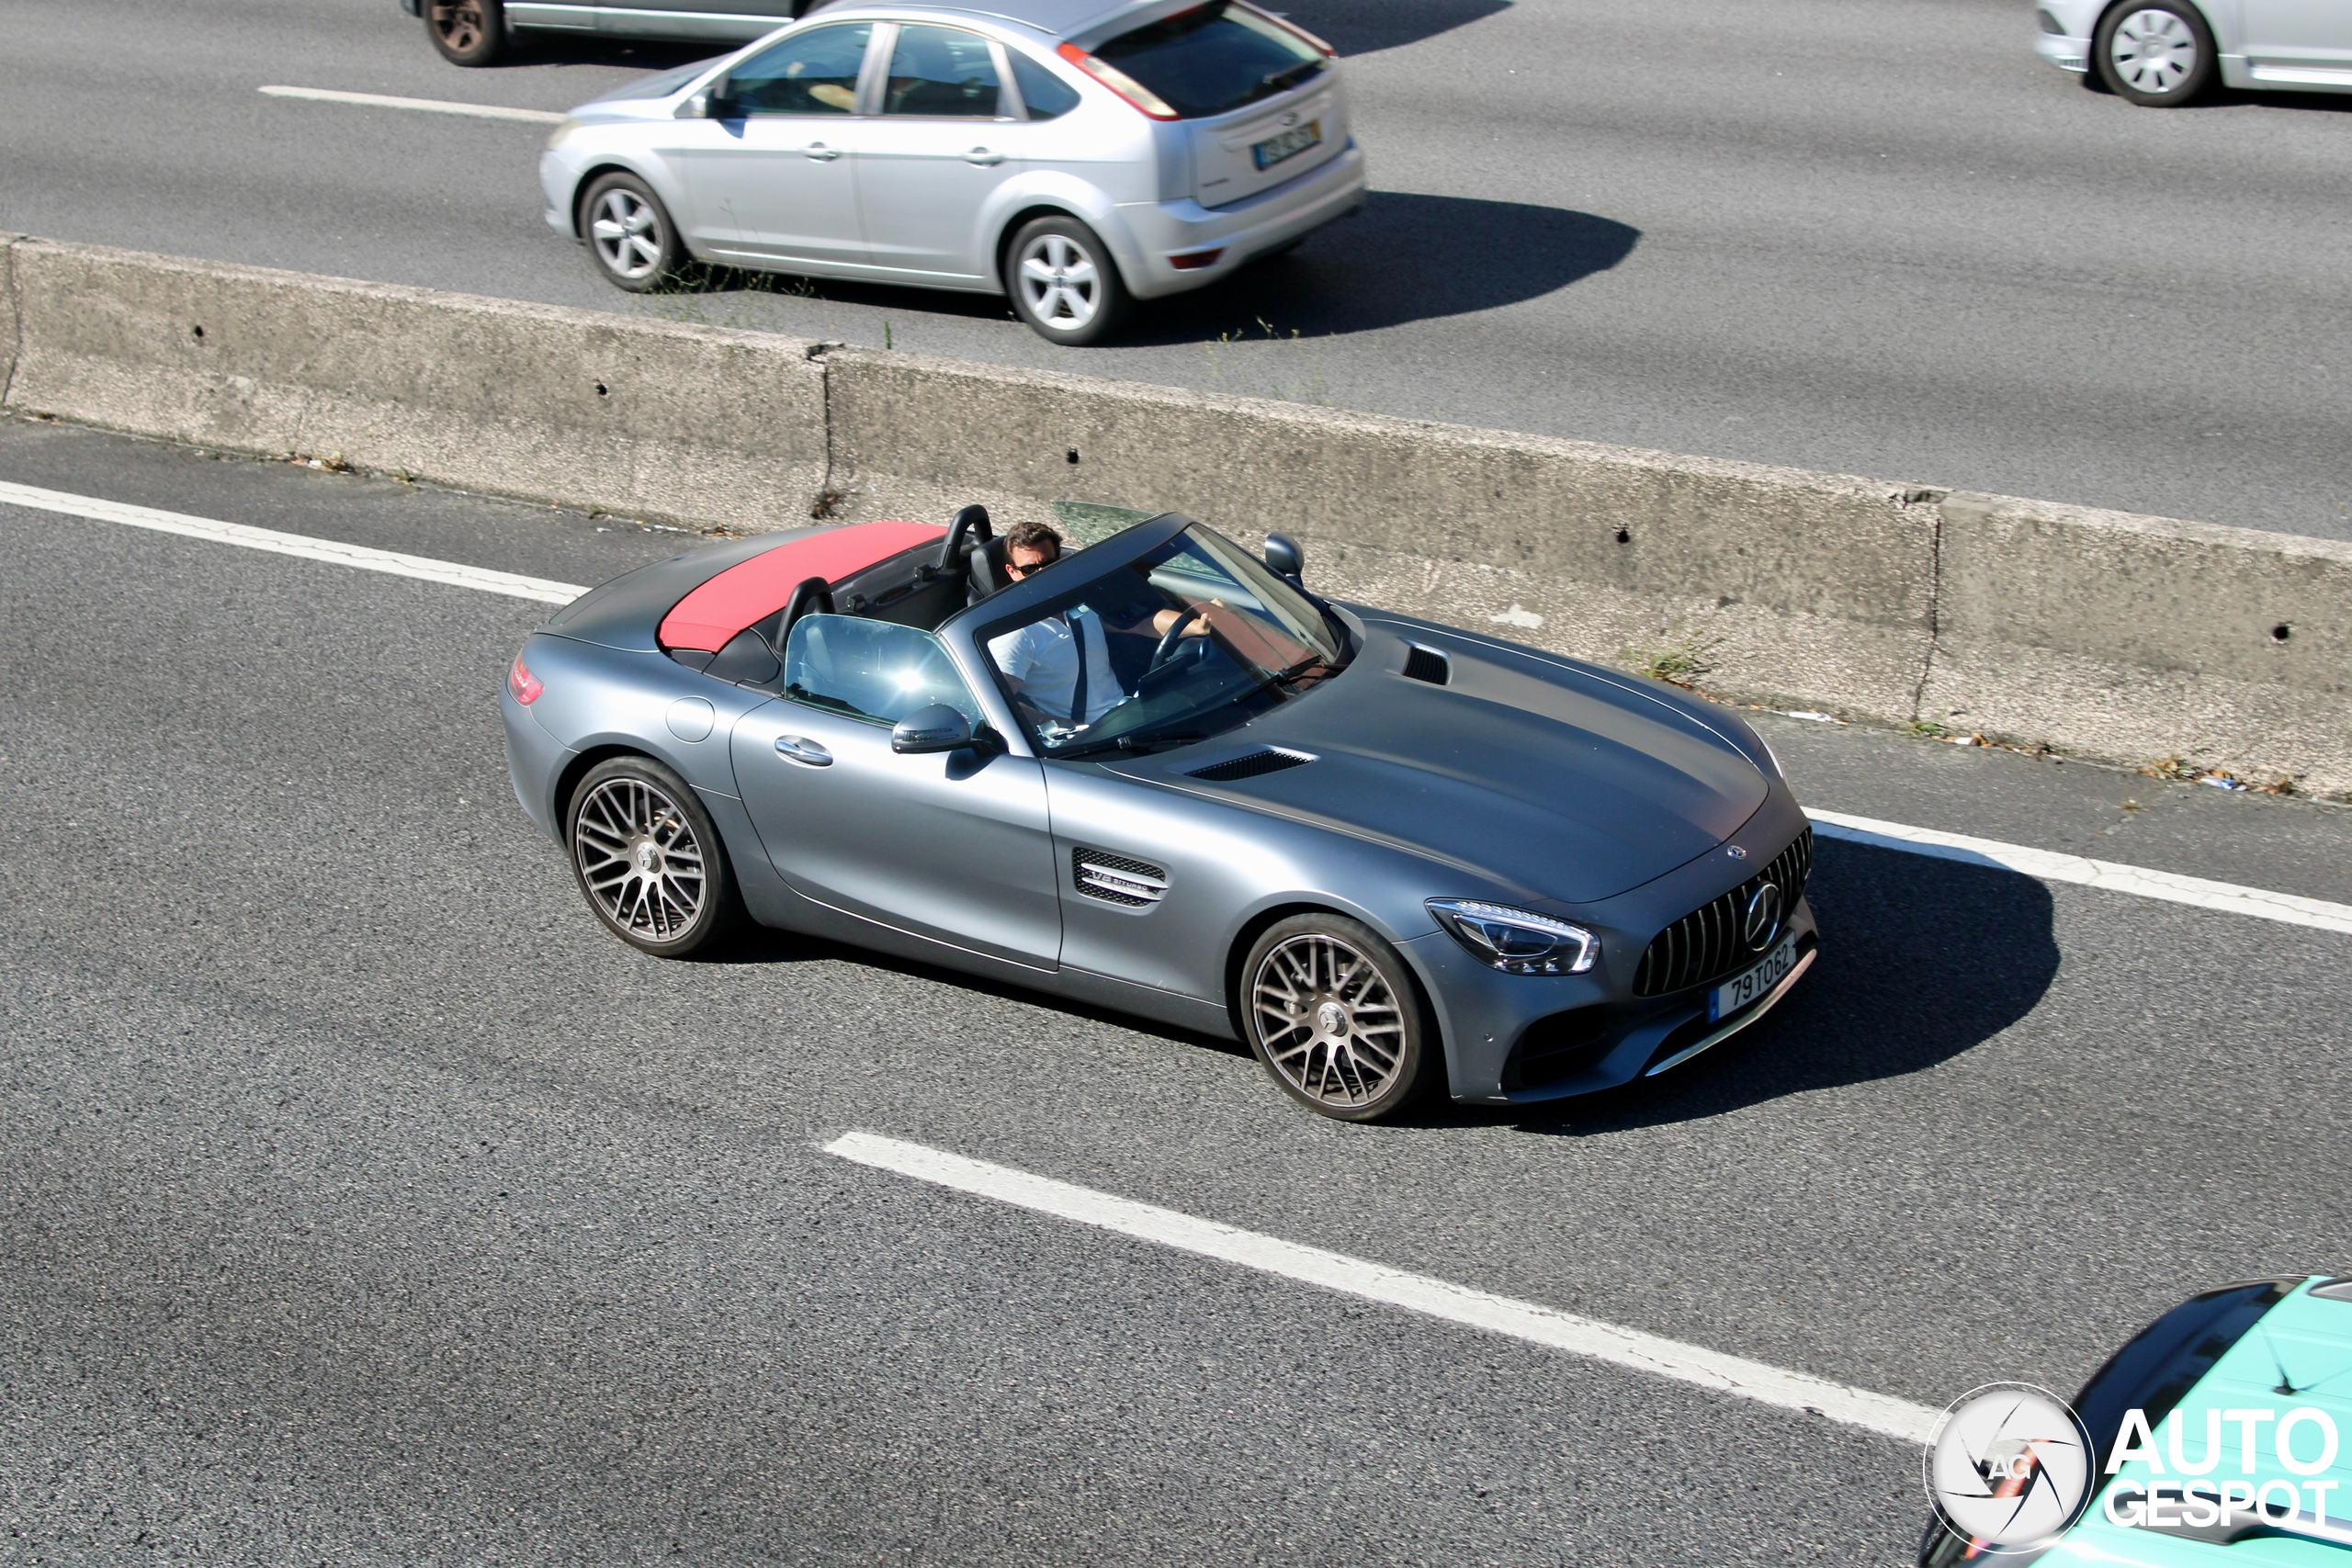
{"type": "Point", "coordinates": [1199, 626]}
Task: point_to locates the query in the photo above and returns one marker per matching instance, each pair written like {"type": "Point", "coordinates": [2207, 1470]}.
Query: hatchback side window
{"type": "Point", "coordinates": [809, 73]}
{"type": "Point", "coordinates": [941, 72]}
{"type": "Point", "coordinates": [875, 670]}
{"type": "Point", "coordinates": [1043, 94]}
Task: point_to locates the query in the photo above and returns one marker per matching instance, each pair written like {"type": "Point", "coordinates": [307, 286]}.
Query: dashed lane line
{"type": "Point", "coordinates": [2048, 866]}
{"type": "Point", "coordinates": [420, 106]}
{"type": "Point", "coordinates": [302, 545]}
{"type": "Point", "coordinates": [1544, 1325]}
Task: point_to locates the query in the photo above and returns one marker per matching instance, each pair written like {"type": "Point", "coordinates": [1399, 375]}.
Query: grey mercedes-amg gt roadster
{"type": "Point", "coordinates": [1159, 774]}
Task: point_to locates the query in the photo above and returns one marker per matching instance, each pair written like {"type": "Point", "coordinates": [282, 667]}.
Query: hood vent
{"type": "Point", "coordinates": [1250, 764]}
{"type": "Point", "coordinates": [1115, 879]}
{"type": "Point", "coordinates": [1426, 664]}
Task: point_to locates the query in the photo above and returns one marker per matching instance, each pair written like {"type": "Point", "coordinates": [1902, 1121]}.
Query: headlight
{"type": "Point", "coordinates": [562, 129]}
{"type": "Point", "coordinates": [1517, 942]}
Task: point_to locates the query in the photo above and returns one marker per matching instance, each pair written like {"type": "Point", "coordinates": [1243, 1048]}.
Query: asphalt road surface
{"type": "Point", "coordinates": [361, 1201]}
{"type": "Point", "coordinates": [1876, 238]}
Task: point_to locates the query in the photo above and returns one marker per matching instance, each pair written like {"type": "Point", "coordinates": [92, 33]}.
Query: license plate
{"type": "Point", "coordinates": [1290, 143]}
{"type": "Point", "coordinates": [1745, 990]}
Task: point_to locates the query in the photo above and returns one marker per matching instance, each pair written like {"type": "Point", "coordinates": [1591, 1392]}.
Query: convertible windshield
{"type": "Point", "coordinates": [1184, 642]}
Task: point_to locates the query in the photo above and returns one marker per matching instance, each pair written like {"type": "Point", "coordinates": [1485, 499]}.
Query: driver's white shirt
{"type": "Point", "coordinates": [1043, 656]}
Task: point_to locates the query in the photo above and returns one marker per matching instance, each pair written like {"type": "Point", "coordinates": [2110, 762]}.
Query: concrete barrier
{"type": "Point", "coordinates": [574, 406]}
{"type": "Point", "coordinates": [2101, 634]}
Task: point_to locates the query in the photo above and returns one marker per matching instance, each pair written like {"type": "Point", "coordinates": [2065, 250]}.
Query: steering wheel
{"type": "Point", "coordinates": [1168, 642]}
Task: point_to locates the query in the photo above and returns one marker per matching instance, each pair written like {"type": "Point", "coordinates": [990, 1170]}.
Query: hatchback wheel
{"type": "Point", "coordinates": [1332, 1014]}
{"type": "Point", "coordinates": [1063, 281]}
{"type": "Point", "coordinates": [648, 857]}
{"type": "Point", "coordinates": [468, 32]}
{"type": "Point", "coordinates": [630, 234]}
{"type": "Point", "coordinates": [2161, 56]}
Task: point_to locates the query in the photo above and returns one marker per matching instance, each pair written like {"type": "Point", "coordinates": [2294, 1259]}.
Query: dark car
{"type": "Point", "coordinates": [480, 32]}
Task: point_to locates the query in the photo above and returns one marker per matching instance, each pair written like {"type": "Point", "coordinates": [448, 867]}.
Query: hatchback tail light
{"type": "Point", "coordinates": [1119, 81]}
{"type": "Point", "coordinates": [523, 683]}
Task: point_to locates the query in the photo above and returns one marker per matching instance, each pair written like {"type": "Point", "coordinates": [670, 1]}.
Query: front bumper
{"type": "Point", "coordinates": [1241, 230]}
{"type": "Point", "coordinates": [2067, 53]}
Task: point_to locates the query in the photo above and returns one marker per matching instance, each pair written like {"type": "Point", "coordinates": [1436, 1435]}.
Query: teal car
{"type": "Point", "coordinates": [2216, 1435]}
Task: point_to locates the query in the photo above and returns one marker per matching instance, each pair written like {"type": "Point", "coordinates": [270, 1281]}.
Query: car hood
{"type": "Point", "coordinates": [1559, 779]}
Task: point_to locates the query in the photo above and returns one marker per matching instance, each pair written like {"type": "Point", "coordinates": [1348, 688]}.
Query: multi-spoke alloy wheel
{"type": "Point", "coordinates": [466, 32]}
{"type": "Point", "coordinates": [1334, 1018]}
{"type": "Point", "coordinates": [648, 857]}
{"type": "Point", "coordinates": [2157, 55]}
{"type": "Point", "coordinates": [1064, 283]}
{"type": "Point", "coordinates": [628, 233]}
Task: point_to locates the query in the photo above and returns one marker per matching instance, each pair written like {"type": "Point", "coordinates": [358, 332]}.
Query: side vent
{"type": "Point", "coordinates": [1426, 664]}
{"type": "Point", "coordinates": [1115, 879]}
{"type": "Point", "coordinates": [1250, 764]}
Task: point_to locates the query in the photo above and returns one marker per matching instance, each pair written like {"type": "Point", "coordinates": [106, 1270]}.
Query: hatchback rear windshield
{"type": "Point", "coordinates": [1213, 58]}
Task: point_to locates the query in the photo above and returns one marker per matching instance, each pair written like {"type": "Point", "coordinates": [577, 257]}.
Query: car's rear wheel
{"type": "Point", "coordinates": [1330, 1010]}
{"type": "Point", "coordinates": [1063, 281]}
{"type": "Point", "coordinates": [469, 32]}
{"type": "Point", "coordinates": [648, 858]}
{"type": "Point", "coordinates": [629, 233]}
{"type": "Point", "coordinates": [2159, 55]}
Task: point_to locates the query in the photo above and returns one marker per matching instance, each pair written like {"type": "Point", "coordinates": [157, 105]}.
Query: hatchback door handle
{"type": "Point", "coordinates": [800, 749]}
{"type": "Point", "coordinates": [983, 157]}
{"type": "Point", "coordinates": [821, 153]}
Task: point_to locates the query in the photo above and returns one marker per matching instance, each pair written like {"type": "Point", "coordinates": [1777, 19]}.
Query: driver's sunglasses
{"type": "Point", "coordinates": [1016, 570]}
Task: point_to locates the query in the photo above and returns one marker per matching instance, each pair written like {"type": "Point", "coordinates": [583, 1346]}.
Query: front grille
{"type": "Point", "coordinates": [1115, 879]}
{"type": "Point", "coordinates": [1249, 765]}
{"type": "Point", "coordinates": [1705, 944]}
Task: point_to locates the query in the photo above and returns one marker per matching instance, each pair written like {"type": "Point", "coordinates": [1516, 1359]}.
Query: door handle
{"type": "Point", "coordinates": [821, 153]}
{"type": "Point", "coordinates": [800, 749]}
{"type": "Point", "coordinates": [983, 157]}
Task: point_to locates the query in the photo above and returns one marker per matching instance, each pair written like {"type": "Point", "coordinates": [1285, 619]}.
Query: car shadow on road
{"type": "Point", "coordinates": [1365, 27]}
{"type": "Point", "coordinates": [1406, 258]}
{"type": "Point", "coordinates": [1920, 960]}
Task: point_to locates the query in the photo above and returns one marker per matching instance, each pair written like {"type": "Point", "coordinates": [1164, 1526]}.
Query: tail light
{"type": "Point", "coordinates": [1119, 81]}
{"type": "Point", "coordinates": [1195, 261]}
{"type": "Point", "coordinates": [522, 683]}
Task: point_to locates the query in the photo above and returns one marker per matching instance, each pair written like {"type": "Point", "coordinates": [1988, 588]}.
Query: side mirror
{"type": "Point", "coordinates": [711, 104]}
{"type": "Point", "coordinates": [937, 727]}
{"type": "Point", "coordinates": [1284, 555]}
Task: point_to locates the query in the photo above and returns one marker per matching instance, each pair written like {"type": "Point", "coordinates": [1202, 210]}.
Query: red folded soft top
{"type": "Point", "coordinates": [709, 618]}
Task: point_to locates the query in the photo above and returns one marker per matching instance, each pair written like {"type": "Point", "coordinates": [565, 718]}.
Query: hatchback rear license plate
{"type": "Point", "coordinates": [1745, 990]}
{"type": "Point", "coordinates": [1289, 144]}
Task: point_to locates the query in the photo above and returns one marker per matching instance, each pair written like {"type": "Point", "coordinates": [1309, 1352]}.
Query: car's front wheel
{"type": "Point", "coordinates": [1330, 1010]}
{"type": "Point", "coordinates": [1063, 281]}
{"type": "Point", "coordinates": [629, 233]}
{"type": "Point", "coordinates": [648, 858]}
{"type": "Point", "coordinates": [469, 32]}
{"type": "Point", "coordinates": [2161, 55]}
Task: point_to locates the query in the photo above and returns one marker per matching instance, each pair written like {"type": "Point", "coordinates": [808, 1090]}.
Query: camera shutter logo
{"type": "Point", "coordinates": [1761, 922]}
{"type": "Point", "coordinates": [2010, 1467]}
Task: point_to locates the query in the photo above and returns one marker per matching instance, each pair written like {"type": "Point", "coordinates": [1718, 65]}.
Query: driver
{"type": "Point", "coordinates": [1059, 667]}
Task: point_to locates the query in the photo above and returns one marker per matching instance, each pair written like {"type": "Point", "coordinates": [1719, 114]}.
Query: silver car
{"type": "Point", "coordinates": [2168, 52]}
{"type": "Point", "coordinates": [1159, 774]}
{"type": "Point", "coordinates": [1073, 155]}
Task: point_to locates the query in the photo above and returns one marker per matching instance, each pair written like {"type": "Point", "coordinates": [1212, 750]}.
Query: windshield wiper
{"type": "Point", "coordinates": [1136, 744]}
{"type": "Point", "coordinates": [1289, 76]}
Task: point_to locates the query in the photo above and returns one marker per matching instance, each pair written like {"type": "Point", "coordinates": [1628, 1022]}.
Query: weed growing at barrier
{"type": "Point", "coordinates": [1679, 663]}
{"type": "Point", "coordinates": [1287, 356]}
{"type": "Point", "coordinates": [687, 296]}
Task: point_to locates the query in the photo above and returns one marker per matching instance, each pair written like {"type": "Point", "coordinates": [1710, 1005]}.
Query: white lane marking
{"type": "Point", "coordinates": [2050, 866]}
{"type": "Point", "coordinates": [2047, 864]}
{"type": "Point", "coordinates": [424, 106]}
{"type": "Point", "coordinates": [1542, 1325]}
{"type": "Point", "coordinates": [509, 583]}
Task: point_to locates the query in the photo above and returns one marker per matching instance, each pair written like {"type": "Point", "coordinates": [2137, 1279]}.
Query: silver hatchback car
{"type": "Point", "coordinates": [2165, 52]}
{"type": "Point", "coordinates": [1073, 154]}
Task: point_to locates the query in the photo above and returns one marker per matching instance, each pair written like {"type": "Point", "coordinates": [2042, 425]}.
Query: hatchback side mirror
{"type": "Point", "coordinates": [1285, 556]}
{"type": "Point", "coordinates": [714, 104]}
{"type": "Point", "coordinates": [937, 727]}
